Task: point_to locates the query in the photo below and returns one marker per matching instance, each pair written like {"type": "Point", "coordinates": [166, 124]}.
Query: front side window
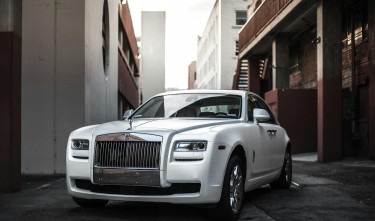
{"type": "Point", "coordinates": [192, 106]}
{"type": "Point", "coordinates": [241, 17]}
{"type": "Point", "coordinates": [255, 102]}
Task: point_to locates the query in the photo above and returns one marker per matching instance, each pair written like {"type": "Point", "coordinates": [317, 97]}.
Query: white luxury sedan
{"type": "Point", "coordinates": [186, 147]}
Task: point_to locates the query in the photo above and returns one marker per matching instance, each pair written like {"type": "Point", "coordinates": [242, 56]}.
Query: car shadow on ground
{"type": "Point", "coordinates": [140, 211]}
{"type": "Point", "coordinates": [156, 211]}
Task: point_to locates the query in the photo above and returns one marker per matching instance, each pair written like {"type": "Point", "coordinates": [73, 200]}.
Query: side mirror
{"type": "Point", "coordinates": [127, 114]}
{"type": "Point", "coordinates": [260, 115]}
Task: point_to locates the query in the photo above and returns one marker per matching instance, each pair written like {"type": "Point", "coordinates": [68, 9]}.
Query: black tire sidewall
{"type": "Point", "coordinates": [223, 211]}
{"type": "Point", "coordinates": [282, 183]}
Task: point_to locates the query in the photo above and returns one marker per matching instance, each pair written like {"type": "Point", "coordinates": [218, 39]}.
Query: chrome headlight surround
{"type": "Point", "coordinates": [80, 144]}
{"type": "Point", "coordinates": [190, 146]}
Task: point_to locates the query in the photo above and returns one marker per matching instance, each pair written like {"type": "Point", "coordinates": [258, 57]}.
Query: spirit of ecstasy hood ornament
{"type": "Point", "coordinates": [131, 124]}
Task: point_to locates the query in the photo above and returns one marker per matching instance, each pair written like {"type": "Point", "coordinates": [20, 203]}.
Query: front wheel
{"type": "Point", "coordinates": [230, 204]}
{"type": "Point", "coordinates": [285, 179]}
{"type": "Point", "coordinates": [90, 202]}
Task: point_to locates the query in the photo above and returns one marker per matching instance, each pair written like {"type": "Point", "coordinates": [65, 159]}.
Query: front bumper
{"type": "Point", "coordinates": [187, 183]}
{"type": "Point", "coordinates": [199, 174]}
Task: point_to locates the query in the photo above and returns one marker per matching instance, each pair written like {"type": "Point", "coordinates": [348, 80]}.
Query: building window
{"type": "Point", "coordinates": [120, 32]}
{"type": "Point", "coordinates": [105, 36]}
{"type": "Point", "coordinates": [241, 17]}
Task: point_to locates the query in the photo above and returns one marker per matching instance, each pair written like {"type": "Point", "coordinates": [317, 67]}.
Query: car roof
{"type": "Point", "coordinates": [205, 91]}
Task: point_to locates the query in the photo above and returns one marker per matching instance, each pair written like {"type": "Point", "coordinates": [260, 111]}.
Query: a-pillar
{"type": "Point", "coordinates": [371, 58]}
{"type": "Point", "coordinates": [10, 95]}
{"type": "Point", "coordinates": [329, 79]}
{"type": "Point", "coordinates": [280, 61]}
{"type": "Point", "coordinates": [253, 74]}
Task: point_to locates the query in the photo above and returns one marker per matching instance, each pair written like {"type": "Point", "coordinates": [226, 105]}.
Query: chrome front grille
{"type": "Point", "coordinates": [127, 154]}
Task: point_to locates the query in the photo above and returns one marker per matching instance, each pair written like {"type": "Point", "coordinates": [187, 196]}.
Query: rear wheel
{"type": "Point", "coordinates": [230, 204]}
{"type": "Point", "coordinates": [90, 202]}
{"type": "Point", "coordinates": [285, 179]}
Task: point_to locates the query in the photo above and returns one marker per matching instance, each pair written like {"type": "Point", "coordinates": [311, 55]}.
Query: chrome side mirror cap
{"type": "Point", "coordinates": [127, 114]}
{"type": "Point", "coordinates": [260, 115]}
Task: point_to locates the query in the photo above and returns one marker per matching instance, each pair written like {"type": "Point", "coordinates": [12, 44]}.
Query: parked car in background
{"type": "Point", "coordinates": [183, 147]}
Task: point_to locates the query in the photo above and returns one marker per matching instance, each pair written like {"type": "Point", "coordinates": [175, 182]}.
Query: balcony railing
{"type": "Point", "coordinates": [127, 84]}
{"type": "Point", "coordinates": [263, 16]}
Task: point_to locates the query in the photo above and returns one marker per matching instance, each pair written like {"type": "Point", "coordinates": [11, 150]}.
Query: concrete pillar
{"type": "Point", "coordinates": [10, 95]}
{"type": "Point", "coordinates": [253, 75]}
{"type": "Point", "coordinates": [329, 80]}
{"type": "Point", "coordinates": [371, 58]}
{"type": "Point", "coordinates": [280, 61]}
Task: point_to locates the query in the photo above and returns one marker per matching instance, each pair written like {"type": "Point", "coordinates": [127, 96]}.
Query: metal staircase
{"type": "Point", "coordinates": [243, 80]}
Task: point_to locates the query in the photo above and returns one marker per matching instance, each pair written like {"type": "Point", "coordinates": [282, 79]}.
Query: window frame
{"type": "Point", "coordinates": [263, 105]}
{"type": "Point", "coordinates": [239, 19]}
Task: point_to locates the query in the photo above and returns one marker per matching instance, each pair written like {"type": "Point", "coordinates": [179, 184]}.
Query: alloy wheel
{"type": "Point", "coordinates": [236, 189]}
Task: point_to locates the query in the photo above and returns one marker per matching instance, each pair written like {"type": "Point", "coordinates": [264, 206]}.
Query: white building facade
{"type": "Point", "coordinates": [217, 47]}
{"type": "Point", "coordinates": [69, 75]}
{"type": "Point", "coordinates": [152, 54]}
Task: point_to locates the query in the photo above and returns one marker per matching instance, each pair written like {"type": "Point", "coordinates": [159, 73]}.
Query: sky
{"type": "Point", "coordinates": [185, 20]}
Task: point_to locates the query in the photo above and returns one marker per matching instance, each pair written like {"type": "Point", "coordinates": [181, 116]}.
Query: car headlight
{"type": "Point", "coordinates": [183, 146]}
{"type": "Point", "coordinates": [80, 144]}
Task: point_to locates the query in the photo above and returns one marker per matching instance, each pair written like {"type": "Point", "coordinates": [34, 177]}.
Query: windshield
{"type": "Point", "coordinates": [192, 106]}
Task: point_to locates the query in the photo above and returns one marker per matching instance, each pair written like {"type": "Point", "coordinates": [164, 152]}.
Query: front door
{"type": "Point", "coordinates": [270, 136]}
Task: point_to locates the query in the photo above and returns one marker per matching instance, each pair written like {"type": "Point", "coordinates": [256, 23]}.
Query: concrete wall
{"type": "Point", "coordinates": [229, 35]}
{"type": "Point", "coordinates": [101, 88]}
{"type": "Point", "coordinates": [38, 87]}
{"type": "Point", "coordinates": [208, 64]}
{"type": "Point", "coordinates": [222, 25]}
{"type": "Point", "coordinates": [153, 54]}
{"type": "Point", "coordinates": [192, 70]}
{"type": "Point", "coordinates": [10, 16]}
{"type": "Point", "coordinates": [63, 81]}
{"type": "Point", "coordinates": [69, 74]}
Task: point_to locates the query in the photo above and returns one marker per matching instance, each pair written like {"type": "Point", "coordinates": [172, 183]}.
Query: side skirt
{"type": "Point", "coordinates": [257, 181]}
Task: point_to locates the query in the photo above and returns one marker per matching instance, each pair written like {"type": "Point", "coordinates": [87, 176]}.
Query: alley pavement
{"type": "Point", "coordinates": [341, 190]}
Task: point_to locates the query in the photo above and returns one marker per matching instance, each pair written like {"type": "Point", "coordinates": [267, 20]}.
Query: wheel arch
{"type": "Point", "coordinates": [289, 147]}
{"type": "Point", "coordinates": [240, 152]}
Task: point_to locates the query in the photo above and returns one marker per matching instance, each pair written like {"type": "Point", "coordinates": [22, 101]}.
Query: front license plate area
{"type": "Point", "coordinates": [126, 177]}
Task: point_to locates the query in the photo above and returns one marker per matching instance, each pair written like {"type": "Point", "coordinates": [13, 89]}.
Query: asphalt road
{"type": "Point", "coordinates": [337, 191]}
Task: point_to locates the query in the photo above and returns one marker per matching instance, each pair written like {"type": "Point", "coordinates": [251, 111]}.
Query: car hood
{"type": "Point", "coordinates": [169, 124]}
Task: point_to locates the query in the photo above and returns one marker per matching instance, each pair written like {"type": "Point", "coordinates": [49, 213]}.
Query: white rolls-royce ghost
{"type": "Point", "coordinates": [183, 147]}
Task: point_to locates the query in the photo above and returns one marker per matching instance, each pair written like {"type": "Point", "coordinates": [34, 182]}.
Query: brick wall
{"type": "Point", "coordinates": [304, 76]}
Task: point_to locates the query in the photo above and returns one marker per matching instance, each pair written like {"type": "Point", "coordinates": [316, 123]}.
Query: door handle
{"type": "Point", "coordinates": [272, 132]}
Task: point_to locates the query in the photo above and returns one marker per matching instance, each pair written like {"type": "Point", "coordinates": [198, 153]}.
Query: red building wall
{"type": "Point", "coordinates": [304, 74]}
{"type": "Point", "coordinates": [10, 112]}
{"type": "Point", "coordinates": [296, 110]}
{"type": "Point", "coordinates": [126, 83]}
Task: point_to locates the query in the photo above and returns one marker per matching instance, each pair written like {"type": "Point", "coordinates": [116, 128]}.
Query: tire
{"type": "Point", "coordinates": [285, 179]}
{"type": "Point", "coordinates": [90, 203]}
{"type": "Point", "coordinates": [232, 194]}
